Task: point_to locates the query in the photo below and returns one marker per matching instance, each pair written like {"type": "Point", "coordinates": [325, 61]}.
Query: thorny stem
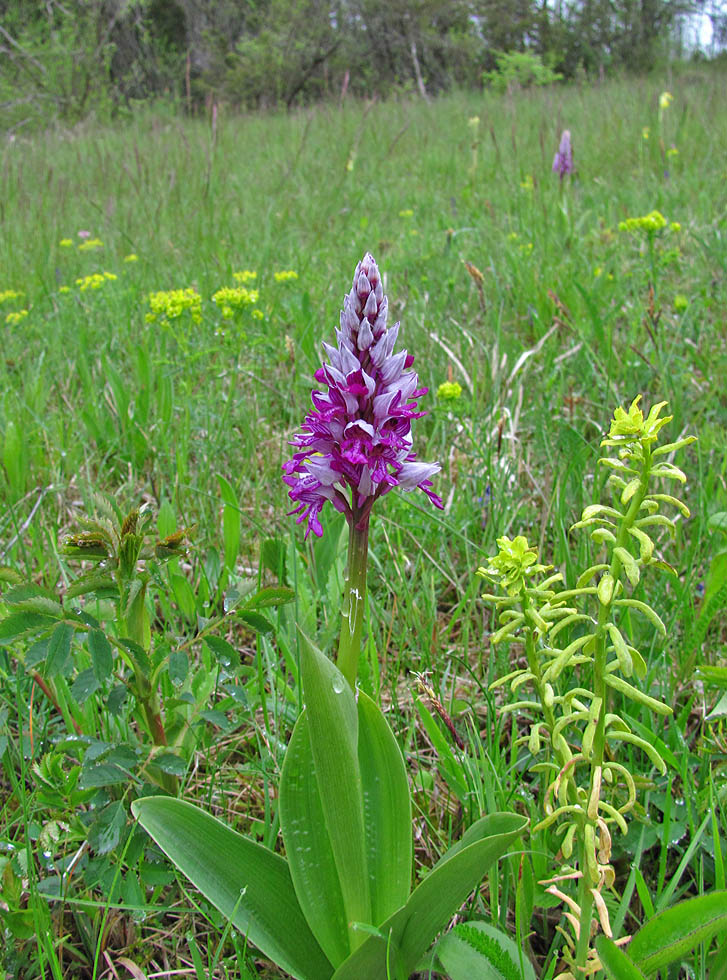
{"type": "Point", "coordinates": [354, 598]}
{"type": "Point", "coordinates": [601, 690]}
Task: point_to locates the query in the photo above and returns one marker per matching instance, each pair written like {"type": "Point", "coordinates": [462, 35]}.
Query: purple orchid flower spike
{"type": "Point", "coordinates": [356, 444]}
{"type": "Point", "coordinates": [563, 159]}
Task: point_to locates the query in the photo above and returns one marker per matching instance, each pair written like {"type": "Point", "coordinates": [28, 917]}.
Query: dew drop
{"type": "Point", "coordinates": [338, 684]}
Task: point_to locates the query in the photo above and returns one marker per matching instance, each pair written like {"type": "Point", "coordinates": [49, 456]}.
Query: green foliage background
{"type": "Point", "coordinates": [68, 59]}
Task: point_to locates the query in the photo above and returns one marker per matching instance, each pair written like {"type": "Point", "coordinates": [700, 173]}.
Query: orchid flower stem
{"type": "Point", "coordinates": [354, 600]}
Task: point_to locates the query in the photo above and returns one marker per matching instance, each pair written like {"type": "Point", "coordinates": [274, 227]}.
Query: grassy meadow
{"type": "Point", "coordinates": [520, 289]}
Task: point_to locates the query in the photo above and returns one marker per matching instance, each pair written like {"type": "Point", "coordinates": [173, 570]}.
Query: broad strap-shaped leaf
{"type": "Point", "coordinates": [387, 811]}
{"type": "Point", "coordinates": [249, 884]}
{"type": "Point", "coordinates": [676, 931]}
{"type": "Point", "coordinates": [407, 934]}
{"type": "Point", "coordinates": [308, 847]}
{"type": "Point", "coordinates": [616, 964]}
{"type": "Point", "coordinates": [333, 732]}
{"type": "Point", "coordinates": [387, 815]}
{"type": "Point", "coordinates": [477, 949]}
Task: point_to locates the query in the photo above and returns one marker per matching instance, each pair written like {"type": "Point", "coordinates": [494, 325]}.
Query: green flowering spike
{"type": "Point", "coordinates": [631, 426]}
{"type": "Point", "coordinates": [513, 564]}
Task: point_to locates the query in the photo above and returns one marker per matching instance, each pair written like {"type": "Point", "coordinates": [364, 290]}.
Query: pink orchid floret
{"type": "Point", "coordinates": [356, 444]}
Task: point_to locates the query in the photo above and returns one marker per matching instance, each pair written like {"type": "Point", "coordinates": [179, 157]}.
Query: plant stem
{"type": "Point", "coordinates": [354, 599]}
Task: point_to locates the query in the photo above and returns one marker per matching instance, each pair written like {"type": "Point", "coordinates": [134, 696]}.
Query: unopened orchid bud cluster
{"type": "Point", "coordinates": [585, 792]}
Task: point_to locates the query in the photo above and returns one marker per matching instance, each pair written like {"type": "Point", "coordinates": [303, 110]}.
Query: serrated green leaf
{"type": "Point", "coordinates": [171, 763]}
{"type": "Point", "coordinates": [178, 667]}
{"type": "Point", "coordinates": [478, 950]}
{"type": "Point", "coordinates": [249, 884]}
{"type": "Point", "coordinates": [256, 621]}
{"type": "Point", "coordinates": [21, 623]}
{"type": "Point", "coordinates": [102, 658]}
{"type": "Point", "coordinates": [223, 651]}
{"type": "Point", "coordinates": [271, 595]}
{"type": "Point", "coordinates": [24, 592]}
{"type": "Point", "coordinates": [670, 935]}
{"type": "Point", "coordinates": [97, 580]}
{"type": "Point", "coordinates": [102, 774]}
{"type": "Point", "coordinates": [59, 649]}
{"type": "Point", "coordinates": [85, 684]}
{"type": "Point", "coordinates": [105, 832]}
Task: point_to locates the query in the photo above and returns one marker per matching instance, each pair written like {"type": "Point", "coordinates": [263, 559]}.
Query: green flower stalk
{"type": "Point", "coordinates": [573, 725]}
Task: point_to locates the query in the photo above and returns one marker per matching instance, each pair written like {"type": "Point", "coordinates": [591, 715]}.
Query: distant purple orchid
{"type": "Point", "coordinates": [358, 435]}
{"type": "Point", "coordinates": [563, 159]}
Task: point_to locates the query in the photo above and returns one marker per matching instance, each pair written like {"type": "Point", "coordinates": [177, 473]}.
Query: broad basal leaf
{"type": "Point", "coordinates": [333, 732]}
{"type": "Point", "coordinates": [407, 934]}
{"type": "Point", "coordinates": [248, 883]}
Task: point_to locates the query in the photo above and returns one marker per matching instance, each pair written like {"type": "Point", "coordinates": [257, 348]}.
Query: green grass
{"type": "Point", "coordinates": [95, 398]}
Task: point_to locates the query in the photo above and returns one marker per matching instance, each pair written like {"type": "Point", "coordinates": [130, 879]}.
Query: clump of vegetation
{"type": "Point", "coordinates": [519, 69]}
{"type": "Point", "coordinates": [141, 660]}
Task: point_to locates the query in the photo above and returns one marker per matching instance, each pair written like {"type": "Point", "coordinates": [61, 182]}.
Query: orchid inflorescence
{"type": "Point", "coordinates": [358, 437]}
{"type": "Point", "coordinates": [563, 159]}
{"type": "Point", "coordinates": [586, 792]}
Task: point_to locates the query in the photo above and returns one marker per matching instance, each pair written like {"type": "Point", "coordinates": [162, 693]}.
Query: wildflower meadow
{"type": "Point", "coordinates": [363, 539]}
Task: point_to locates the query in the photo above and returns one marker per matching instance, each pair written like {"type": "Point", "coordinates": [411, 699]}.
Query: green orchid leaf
{"type": "Point", "coordinates": [671, 934]}
{"type": "Point", "coordinates": [249, 884]}
{"type": "Point", "coordinates": [476, 949]}
{"type": "Point", "coordinates": [617, 964]}
{"type": "Point", "coordinates": [333, 732]}
{"type": "Point", "coordinates": [407, 934]}
{"type": "Point", "coordinates": [387, 811]}
{"type": "Point", "coordinates": [308, 846]}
